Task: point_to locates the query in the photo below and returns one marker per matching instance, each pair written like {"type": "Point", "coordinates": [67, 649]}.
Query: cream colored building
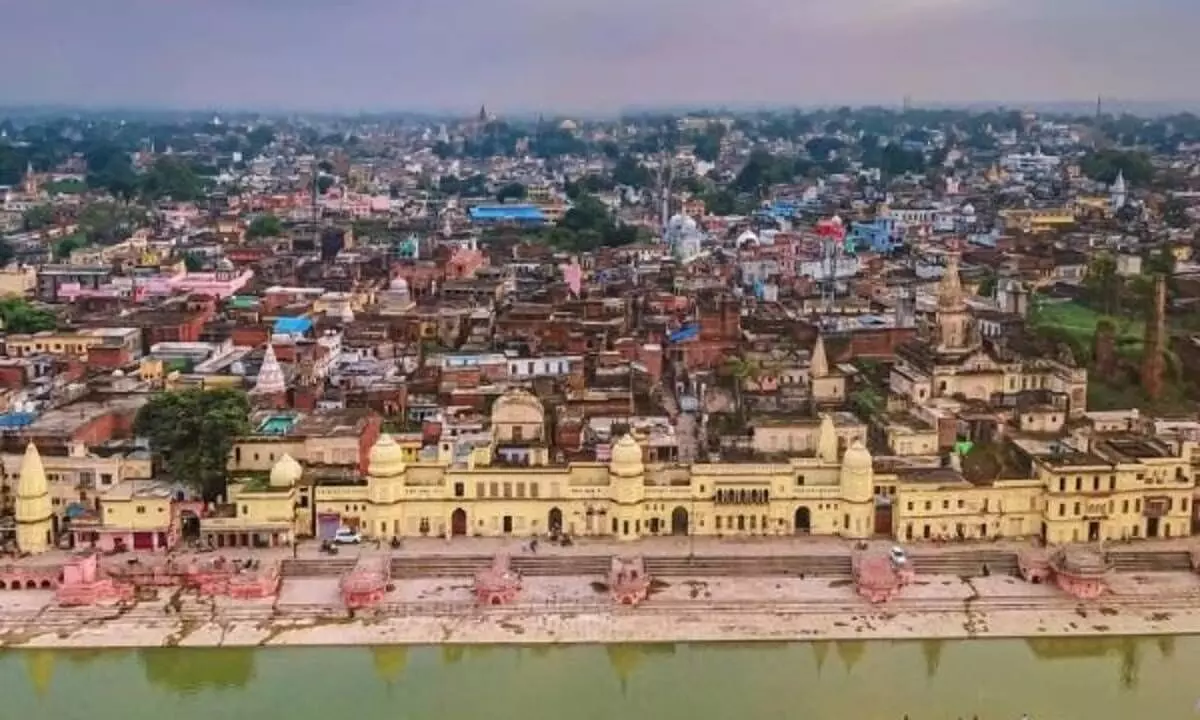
{"type": "Point", "coordinates": [958, 362]}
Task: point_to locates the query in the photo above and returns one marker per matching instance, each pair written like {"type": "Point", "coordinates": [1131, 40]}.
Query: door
{"type": "Point", "coordinates": [554, 522]}
{"type": "Point", "coordinates": [679, 521]}
{"type": "Point", "coordinates": [143, 541]}
{"type": "Point", "coordinates": [1152, 527]}
{"type": "Point", "coordinates": [1093, 531]}
{"type": "Point", "coordinates": [803, 520]}
{"type": "Point", "coordinates": [327, 525]}
{"type": "Point", "coordinates": [883, 518]}
{"type": "Point", "coordinates": [458, 523]}
{"type": "Point", "coordinates": [507, 524]}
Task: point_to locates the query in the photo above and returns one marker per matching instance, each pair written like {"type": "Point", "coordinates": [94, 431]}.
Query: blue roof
{"type": "Point", "coordinates": [506, 212]}
{"type": "Point", "coordinates": [292, 325]}
{"type": "Point", "coordinates": [17, 419]}
{"type": "Point", "coordinates": [690, 331]}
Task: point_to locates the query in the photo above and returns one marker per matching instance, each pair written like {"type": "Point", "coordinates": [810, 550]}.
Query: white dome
{"type": "Point", "coordinates": [386, 458]}
{"type": "Point", "coordinates": [747, 236]}
{"type": "Point", "coordinates": [398, 284]}
{"type": "Point", "coordinates": [286, 472]}
{"type": "Point", "coordinates": [682, 223]}
{"type": "Point", "coordinates": [626, 458]}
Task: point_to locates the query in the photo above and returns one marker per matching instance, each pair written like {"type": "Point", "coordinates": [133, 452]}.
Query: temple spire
{"type": "Point", "coordinates": [827, 441]}
{"type": "Point", "coordinates": [33, 510]}
{"type": "Point", "coordinates": [270, 376]}
{"type": "Point", "coordinates": [818, 366]}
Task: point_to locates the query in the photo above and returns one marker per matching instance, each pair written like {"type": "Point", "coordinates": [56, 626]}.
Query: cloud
{"type": "Point", "coordinates": [589, 55]}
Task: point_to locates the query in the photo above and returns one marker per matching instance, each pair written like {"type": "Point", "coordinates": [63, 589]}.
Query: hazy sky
{"type": "Point", "coordinates": [590, 54]}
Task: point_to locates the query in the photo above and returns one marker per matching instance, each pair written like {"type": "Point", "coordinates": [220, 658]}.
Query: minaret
{"type": "Point", "coordinates": [270, 383]}
{"type": "Point", "coordinates": [1153, 344]}
{"type": "Point", "coordinates": [33, 504]}
{"type": "Point", "coordinates": [952, 315]}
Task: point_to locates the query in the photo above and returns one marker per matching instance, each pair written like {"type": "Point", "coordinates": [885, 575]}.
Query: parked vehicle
{"type": "Point", "coordinates": [347, 536]}
{"type": "Point", "coordinates": [899, 557]}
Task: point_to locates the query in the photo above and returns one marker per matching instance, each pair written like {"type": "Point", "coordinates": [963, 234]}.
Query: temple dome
{"type": "Point", "coordinates": [286, 472]}
{"type": "Point", "coordinates": [386, 458]}
{"type": "Point", "coordinates": [857, 458]}
{"type": "Point", "coordinates": [626, 458]}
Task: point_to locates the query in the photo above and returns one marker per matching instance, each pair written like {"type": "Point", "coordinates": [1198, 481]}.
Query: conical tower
{"type": "Point", "coordinates": [270, 378]}
{"type": "Point", "coordinates": [33, 511]}
{"type": "Point", "coordinates": [952, 315]}
{"type": "Point", "coordinates": [827, 440]}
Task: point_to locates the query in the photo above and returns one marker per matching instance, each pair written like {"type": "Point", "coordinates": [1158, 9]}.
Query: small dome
{"type": "Point", "coordinates": [857, 457]}
{"type": "Point", "coordinates": [287, 472]}
{"type": "Point", "coordinates": [626, 457]}
{"type": "Point", "coordinates": [386, 458]}
{"type": "Point", "coordinates": [398, 284]}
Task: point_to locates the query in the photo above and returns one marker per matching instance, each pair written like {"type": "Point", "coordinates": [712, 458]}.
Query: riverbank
{"type": "Point", "coordinates": [643, 625]}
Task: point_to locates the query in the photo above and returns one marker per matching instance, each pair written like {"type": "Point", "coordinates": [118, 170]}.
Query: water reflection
{"type": "Point", "coordinates": [850, 652]}
{"type": "Point", "coordinates": [1128, 650]}
{"type": "Point", "coordinates": [390, 662]}
{"type": "Point", "coordinates": [191, 670]}
{"type": "Point", "coordinates": [40, 666]}
{"type": "Point", "coordinates": [624, 658]}
{"type": "Point", "coordinates": [931, 650]}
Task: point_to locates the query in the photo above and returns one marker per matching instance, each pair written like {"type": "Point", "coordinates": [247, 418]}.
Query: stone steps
{"type": "Point", "coordinates": [965, 564]}
{"type": "Point", "coordinates": [1150, 561]}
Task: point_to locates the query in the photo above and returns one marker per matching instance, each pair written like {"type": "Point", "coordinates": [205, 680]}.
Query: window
{"type": "Point", "coordinates": [1076, 508]}
{"type": "Point", "coordinates": [459, 490]}
{"type": "Point", "coordinates": [479, 490]}
{"type": "Point", "coordinates": [141, 509]}
{"type": "Point", "coordinates": [1078, 483]}
{"type": "Point", "coordinates": [928, 505]}
{"type": "Point", "coordinates": [910, 506]}
{"type": "Point", "coordinates": [533, 490]}
{"type": "Point", "coordinates": [1124, 506]}
{"type": "Point", "coordinates": [718, 521]}
{"type": "Point", "coordinates": [945, 504]}
{"type": "Point", "coordinates": [1062, 509]}
{"type": "Point", "coordinates": [1062, 484]}
{"type": "Point", "coordinates": [494, 489]}
{"type": "Point", "coordinates": [960, 504]}
{"type": "Point", "coordinates": [1112, 482]}
{"type": "Point", "coordinates": [1183, 504]}
{"type": "Point", "coordinates": [799, 480]}
{"type": "Point", "coordinates": [520, 489]}
{"type": "Point", "coordinates": [106, 478]}
{"type": "Point", "coordinates": [507, 490]}
{"type": "Point", "coordinates": [245, 510]}
{"type": "Point", "coordinates": [1096, 482]}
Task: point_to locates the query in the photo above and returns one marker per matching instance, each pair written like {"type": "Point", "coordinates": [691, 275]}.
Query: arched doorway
{"type": "Point", "coordinates": [803, 520]}
{"type": "Point", "coordinates": [554, 523]}
{"type": "Point", "coordinates": [189, 526]}
{"type": "Point", "coordinates": [679, 521]}
{"type": "Point", "coordinates": [458, 523]}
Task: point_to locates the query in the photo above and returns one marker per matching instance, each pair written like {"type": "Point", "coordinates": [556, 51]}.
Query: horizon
{"type": "Point", "coordinates": [516, 56]}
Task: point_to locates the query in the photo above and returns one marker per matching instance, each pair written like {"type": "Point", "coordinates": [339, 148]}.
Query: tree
{"type": "Point", "coordinates": [1102, 284]}
{"type": "Point", "coordinates": [19, 316]}
{"type": "Point", "coordinates": [192, 432]}
{"type": "Point", "coordinates": [171, 177]}
{"type": "Point", "coordinates": [6, 253]}
{"type": "Point", "coordinates": [630, 172]}
{"type": "Point", "coordinates": [193, 262]}
{"type": "Point", "coordinates": [107, 223]}
{"type": "Point", "coordinates": [324, 182]}
{"type": "Point", "coordinates": [1104, 166]}
{"type": "Point", "coordinates": [37, 217]}
{"type": "Point", "coordinates": [511, 191]}
{"type": "Point", "coordinates": [264, 226]}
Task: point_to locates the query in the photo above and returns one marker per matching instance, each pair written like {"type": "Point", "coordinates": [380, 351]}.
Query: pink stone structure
{"type": "Point", "coordinates": [499, 584]}
{"type": "Point", "coordinates": [366, 584]}
{"type": "Point", "coordinates": [28, 577]}
{"type": "Point", "coordinates": [876, 577]}
{"type": "Point", "coordinates": [1034, 565]}
{"type": "Point", "coordinates": [84, 582]}
{"type": "Point", "coordinates": [1081, 572]}
{"type": "Point", "coordinates": [221, 577]}
{"type": "Point", "coordinates": [628, 581]}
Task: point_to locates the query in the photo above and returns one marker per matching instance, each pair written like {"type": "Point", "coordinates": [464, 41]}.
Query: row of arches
{"type": "Point", "coordinates": [743, 497]}
{"type": "Point", "coordinates": [26, 585]}
{"type": "Point", "coordinates": [680, 520]}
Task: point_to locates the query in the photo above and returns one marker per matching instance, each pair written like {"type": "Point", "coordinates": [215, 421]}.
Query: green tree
{"type": "Point", "coordinates": [107, 223]}
{"type": "Point", "coordinates": [193, 262]}
{"type": "Point", "coordinates": [19, 316]}
{"type": "Point", "coordinates": [324, 182]}
{"type": "Point", "coordinates": [511, 191]}
{"type": "Point", "coordinates": [192, 432]}
{"type": "Point", "coordinates": [171, 177]}
{"type": "Point", "coordinates": [264, 226]}
{"type": "Point", "coordinates": [1104, 166]}
{"type": "Point", "coordinates": [629, 171]}
{"type": "Point", "coordinates": [6, 253]}
{"type": "Point", "coordinates": [1102, 284]}
{"type": "Point", "coordinates": [37, 217]}
{"type": "Point", "coordinates": [64, 247]}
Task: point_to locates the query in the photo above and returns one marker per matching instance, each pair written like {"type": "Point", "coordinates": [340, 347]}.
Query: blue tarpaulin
{"type": "Point", "coordinates": [292, 326]}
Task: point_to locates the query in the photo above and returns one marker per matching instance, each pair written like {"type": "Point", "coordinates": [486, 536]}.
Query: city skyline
{"type": "Point", "coordinates": [526, 55]}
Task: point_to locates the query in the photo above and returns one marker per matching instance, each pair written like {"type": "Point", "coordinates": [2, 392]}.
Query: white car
{"type": "Point", "coordinates": [346, 536]}
{"type": "Point", "coordinates": [899, 557]}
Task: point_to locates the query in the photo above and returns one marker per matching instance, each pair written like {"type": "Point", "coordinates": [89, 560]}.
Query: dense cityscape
{"type": "Point", "coordinates": [314, 364]}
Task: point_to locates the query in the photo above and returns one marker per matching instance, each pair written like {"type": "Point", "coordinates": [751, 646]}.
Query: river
{"type": "Point", "coordinates": [1092, 679]}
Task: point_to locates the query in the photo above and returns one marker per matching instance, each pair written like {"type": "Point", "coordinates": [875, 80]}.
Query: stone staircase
{"type": "Point", "coordinates": [968, 563]}
{"type": "Point", "coordinates": [320, 567]}
{"type": "Point", "coordinates": [1130, 561]}
{"type": "Point", "coordinates": [837, 566]}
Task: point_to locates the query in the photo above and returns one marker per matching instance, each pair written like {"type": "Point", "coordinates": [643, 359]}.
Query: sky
{"type": "Point", "coordinates": [590, 55]}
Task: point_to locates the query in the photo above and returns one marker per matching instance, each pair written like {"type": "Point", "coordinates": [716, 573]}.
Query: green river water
{"type": "Point", "coordinates": [1117, 678]}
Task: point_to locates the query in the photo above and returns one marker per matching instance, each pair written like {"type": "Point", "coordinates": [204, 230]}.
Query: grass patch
{"type": "Point", "coordinates": [1080, 321]}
